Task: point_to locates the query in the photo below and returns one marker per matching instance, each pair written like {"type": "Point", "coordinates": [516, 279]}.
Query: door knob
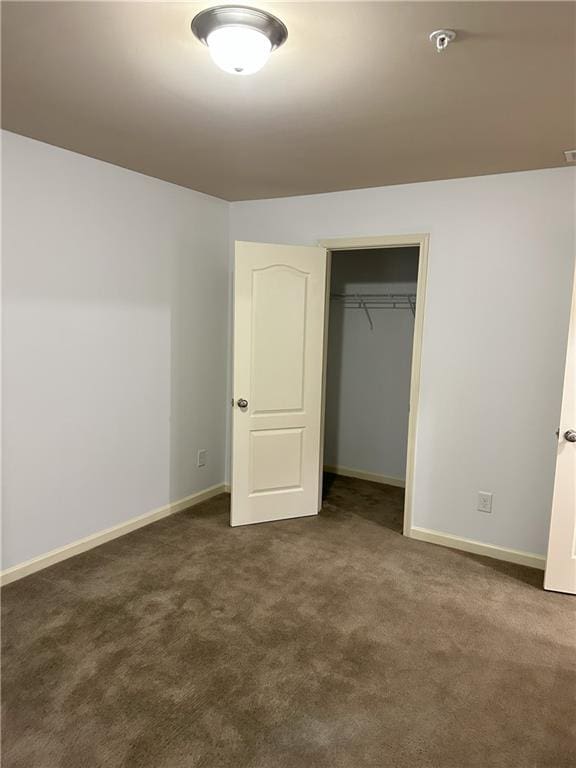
{"type": "Point", "coordinates": [570, 435]}
{"type": "Point", "coordinates": [242, 403]}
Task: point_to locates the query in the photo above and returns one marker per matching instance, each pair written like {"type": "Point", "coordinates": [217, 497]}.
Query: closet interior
{"type": "Point", "coordinates": [370, 337]}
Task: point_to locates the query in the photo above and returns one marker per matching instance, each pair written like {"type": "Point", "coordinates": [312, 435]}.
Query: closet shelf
{"type": "Point", "coordinates": [368, 301]}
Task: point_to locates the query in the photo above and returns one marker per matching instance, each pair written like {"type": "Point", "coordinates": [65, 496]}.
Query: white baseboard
{"type": "Point", "coordinates": [347, 472]}
{"type": "Point", "coordinates": [95, 539]}
{"type": "Point", "coordinates": [478, 548]}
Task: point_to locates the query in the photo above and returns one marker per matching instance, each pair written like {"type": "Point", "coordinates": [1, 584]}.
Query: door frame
{"type": "Point", "coordinates": [422, 241]}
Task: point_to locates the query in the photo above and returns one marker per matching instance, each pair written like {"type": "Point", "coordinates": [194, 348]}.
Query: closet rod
{"type": "Point", "coordinates": [376, 300]}
{"type": "Point", "coordinates": [368, 301]}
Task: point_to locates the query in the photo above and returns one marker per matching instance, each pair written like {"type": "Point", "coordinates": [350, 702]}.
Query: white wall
{"type": "Point", "coordinates": [115, 340]}
{"type": "Point", "coordinates": [115, 345]}
{"type": "Point", "coordinates": [500, 270]}
{"type": "Point", "coordinates": [368, 371]}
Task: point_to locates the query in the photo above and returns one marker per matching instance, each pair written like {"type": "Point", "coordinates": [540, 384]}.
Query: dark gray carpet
{"type": "Point", "coordinates": [329, 642]}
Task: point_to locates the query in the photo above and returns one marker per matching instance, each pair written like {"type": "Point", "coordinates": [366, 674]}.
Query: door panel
{"type": "Point", "coordinates": [561, 561]}
{"type": "Point", "coordinates": [278, 380]}
{"type": "Point", "coordinates": [276, 459]}
{"type": "Point", "coordinates": [279, 294]}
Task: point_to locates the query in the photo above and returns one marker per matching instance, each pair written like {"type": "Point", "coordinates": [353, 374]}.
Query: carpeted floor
{"type": "Point", "coordinates": [329, 642]}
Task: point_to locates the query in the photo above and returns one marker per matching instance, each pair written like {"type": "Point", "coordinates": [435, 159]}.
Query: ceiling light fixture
{"type": "Point", "coordinates": [239, 39]}
{"type": "Point", "coordinates": [442, 37]}
{"type": "Point", "coordinates": [570, 155]}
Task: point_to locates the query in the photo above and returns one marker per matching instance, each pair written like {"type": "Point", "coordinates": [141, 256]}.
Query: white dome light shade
{"type": "Point", "coordinates": [240, 39]}
{"type": "Point", "coordinates": [239, 50]}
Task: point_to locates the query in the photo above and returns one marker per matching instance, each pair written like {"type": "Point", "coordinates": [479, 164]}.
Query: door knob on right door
{"type": "Point", "coordinates": [570, 435]}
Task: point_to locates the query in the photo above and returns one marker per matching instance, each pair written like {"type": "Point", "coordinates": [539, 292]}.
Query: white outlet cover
{"type": "Point", "coordinates": [484, 501]}
{"type": "Point", "coordinates": [201, 460]}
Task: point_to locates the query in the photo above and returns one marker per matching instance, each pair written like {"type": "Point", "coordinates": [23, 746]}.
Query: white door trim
{"type": "Point", "coordinates": [394, 241]}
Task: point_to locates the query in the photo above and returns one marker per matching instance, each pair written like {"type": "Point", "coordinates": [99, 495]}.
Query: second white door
{"type": "Point", "coordinates": [279, 295]}
{"type": "Point", "coordinates": [561, 561]}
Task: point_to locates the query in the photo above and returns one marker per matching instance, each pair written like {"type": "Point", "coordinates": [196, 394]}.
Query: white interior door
{"type": "Point", "coordinates": [561, 562]}
{"type": "Point", "coordinates": [279, 295]}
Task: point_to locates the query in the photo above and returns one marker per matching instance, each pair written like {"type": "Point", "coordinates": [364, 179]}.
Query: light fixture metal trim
{"type": "Point", "coordinates": [220, 16]}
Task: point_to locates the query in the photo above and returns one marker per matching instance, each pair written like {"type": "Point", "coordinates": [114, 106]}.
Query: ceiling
{"type": "Point", "coordinates": [357, 97]}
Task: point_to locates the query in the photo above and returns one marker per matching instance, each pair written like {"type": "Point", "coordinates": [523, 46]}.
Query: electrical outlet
{"type": "Point", "coordinates": [201, 459]}
{"type": "Point", "coordinates": [484, 501]}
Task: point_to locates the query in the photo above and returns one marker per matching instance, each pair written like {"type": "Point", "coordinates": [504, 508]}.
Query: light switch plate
{"type": "Point", "coordinates": [201, 460]}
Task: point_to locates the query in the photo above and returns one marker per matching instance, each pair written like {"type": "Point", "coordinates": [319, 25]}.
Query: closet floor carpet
{"type": "Point", "coordinates": [328, 642]}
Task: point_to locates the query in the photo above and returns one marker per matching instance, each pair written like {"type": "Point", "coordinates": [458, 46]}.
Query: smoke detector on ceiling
{"type": "Point", "coordinates": [442, 38]}
{"type": "Point", "coordinates": [570, 155]}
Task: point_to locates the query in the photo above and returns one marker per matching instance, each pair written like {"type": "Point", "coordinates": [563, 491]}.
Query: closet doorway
{"type": "Point", "coordinates": [374, 319]}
